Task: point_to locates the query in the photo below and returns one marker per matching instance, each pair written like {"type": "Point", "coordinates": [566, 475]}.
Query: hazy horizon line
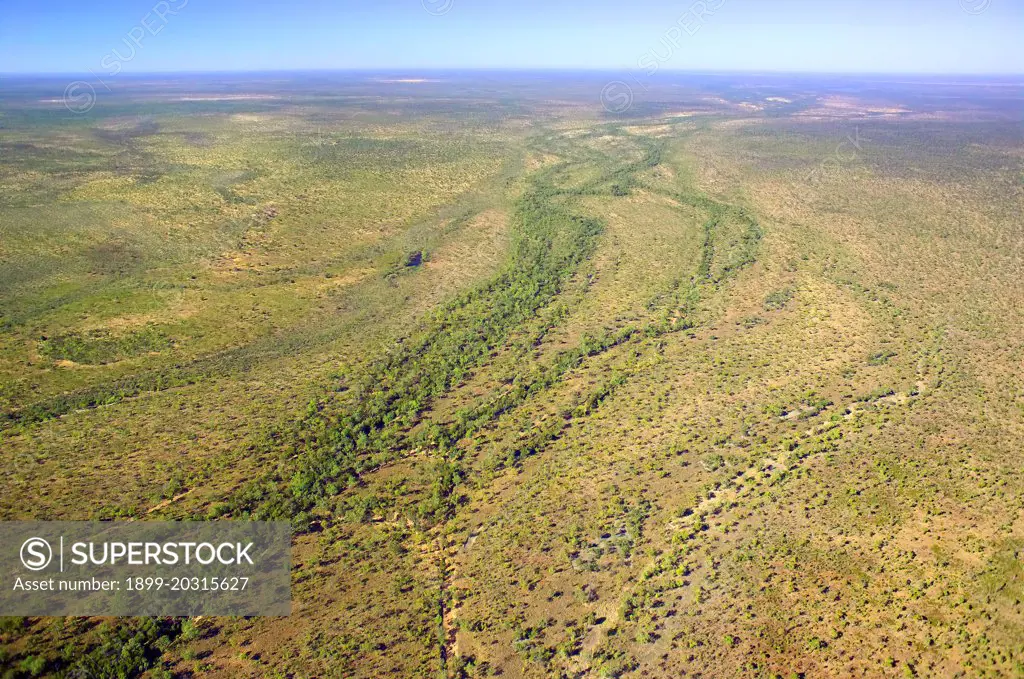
{"type": "Point", "coordinates": [511, 69]}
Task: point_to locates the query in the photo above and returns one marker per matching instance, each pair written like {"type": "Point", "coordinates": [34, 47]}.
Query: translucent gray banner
{"type": "Point", "coordinates": [145, 568]}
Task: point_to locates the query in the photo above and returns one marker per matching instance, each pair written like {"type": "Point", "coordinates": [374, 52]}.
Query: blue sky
{"type": "Point", "coordinates": [141, 36]}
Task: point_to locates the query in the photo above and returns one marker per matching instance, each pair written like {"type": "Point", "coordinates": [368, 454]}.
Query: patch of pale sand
{"type": "Point", "coordinates": [738, 122]}
{"type": "Point", "coordinates": [652, 130]}
{"type": "Point", "coordinates": [855, 104]}
{"type": "Point", "coordinates": [167, 503]}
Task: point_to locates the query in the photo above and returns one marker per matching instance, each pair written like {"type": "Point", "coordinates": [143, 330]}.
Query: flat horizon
{"type": "Point", "coordinates": [514, 69]}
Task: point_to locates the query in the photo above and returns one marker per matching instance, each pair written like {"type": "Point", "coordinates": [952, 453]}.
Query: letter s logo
{"type": "Point", "coordinates": [36, 554]}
